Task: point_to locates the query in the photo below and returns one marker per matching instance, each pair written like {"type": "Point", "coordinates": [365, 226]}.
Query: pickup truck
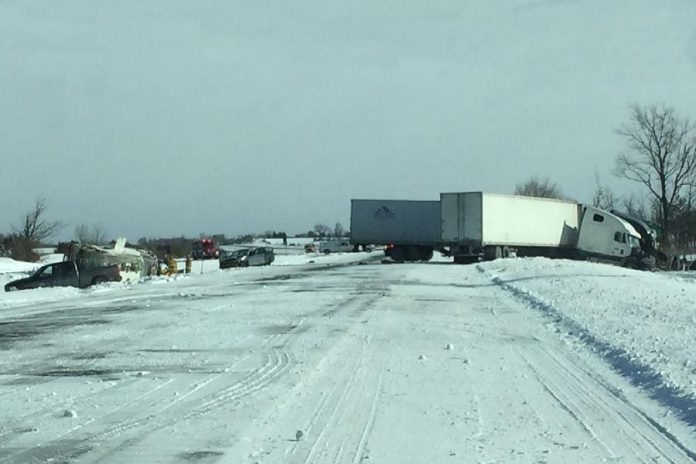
{"type": "Point", "coordinates": [66, 274]}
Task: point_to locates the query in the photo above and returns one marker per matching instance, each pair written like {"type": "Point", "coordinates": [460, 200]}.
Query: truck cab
{"type": "Point", "coordinates": [605, 236]}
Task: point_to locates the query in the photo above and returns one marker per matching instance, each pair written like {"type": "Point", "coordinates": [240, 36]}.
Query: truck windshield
{"type": "Point", "coordinates": [634, 242]}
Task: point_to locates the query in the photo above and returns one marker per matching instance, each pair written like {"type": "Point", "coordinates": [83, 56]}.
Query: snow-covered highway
{"type": "Point", "coordinates": [345, 363]}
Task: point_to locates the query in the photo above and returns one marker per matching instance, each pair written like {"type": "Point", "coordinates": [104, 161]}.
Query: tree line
{"type": "Point", "coordinates": [35, 229]}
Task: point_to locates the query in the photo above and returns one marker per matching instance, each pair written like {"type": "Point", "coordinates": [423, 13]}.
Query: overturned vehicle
{"type": "Point", "coordinates": [133, 264]}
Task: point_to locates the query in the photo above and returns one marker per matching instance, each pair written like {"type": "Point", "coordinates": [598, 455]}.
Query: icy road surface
{"type": "Point", "coordinates": [422, 363]}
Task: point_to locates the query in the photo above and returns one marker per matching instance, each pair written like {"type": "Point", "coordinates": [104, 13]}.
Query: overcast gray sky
{"type": "Point", "coordinates": [162, 118]}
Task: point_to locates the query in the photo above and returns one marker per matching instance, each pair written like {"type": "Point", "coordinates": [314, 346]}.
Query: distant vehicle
{"type": "Point", "coordinates": [67, 274]}
{"type": "Point", "coordinates": [335, 246]}
{"type": "Point", "coordinates": [310, 248]}
{"type": "Point", "coordinates": [204, 249]}
{"type": "Point", "coordinates": [244, 257]}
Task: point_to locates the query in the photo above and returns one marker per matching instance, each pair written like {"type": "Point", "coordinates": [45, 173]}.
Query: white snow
{"type": "Point", "coordinates": [9, 265]}
{"type": "Point", "coordinates": [651, 316]}
{"type": "Point", "coordinates": [342, 358]}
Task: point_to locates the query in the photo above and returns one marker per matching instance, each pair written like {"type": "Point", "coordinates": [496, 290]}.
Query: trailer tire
{"type": "Point", "coordinates": [413, 253]}
{"type": "Point", "coordinates": [98, 280]}
{"type": "Point", "coordinates": [398, 254]}
{"type": "Point", "coordinates": [492, 252]}
{"type": "Point", "coordinates": [426, 254]}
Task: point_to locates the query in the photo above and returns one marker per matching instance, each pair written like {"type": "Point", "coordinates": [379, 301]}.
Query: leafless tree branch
{"type": "Point", "coordinates": [661, 155]}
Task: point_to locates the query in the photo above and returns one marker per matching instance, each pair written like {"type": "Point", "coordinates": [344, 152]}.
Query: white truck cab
{"type": "Point", "coordinates": [605, 235]}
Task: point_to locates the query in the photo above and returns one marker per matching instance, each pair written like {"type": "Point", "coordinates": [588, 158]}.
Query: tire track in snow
{"type": "Point", "coordinates": [17, 425]}
{"type": "Point", "coordinates": [277, 360]}
{"type": "Point", "coordinates": [154, 410]}
{"type": "Point", "coordinates": [20, 424]}
{"type": "Point", "coordinates": [336, 407]}
{"type": "Point", "coordinates": [590, 404]}
{"type": "Point", "coordinates": [360, 451]}
{"type": "Point", "coordinates": [276, 364]}
{"type": "Point", "coordinates": [348, 388]}
{"type": "Point", "coordinates": [282, 340]}
{"type": "Point", "coordinates": [621, 361]}
{"type": "Point", "coordinates": [352, 400]}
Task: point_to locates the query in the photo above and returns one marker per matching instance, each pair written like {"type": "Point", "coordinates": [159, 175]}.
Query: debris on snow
{"type": "Point", "coordinates": [422, 357]}
{"type": "Point", "coordinates": [449, 347]}
{"type": "Point", "coordinates": [69, 413]}
{"type": "Point", "coordinates": [298, 435]}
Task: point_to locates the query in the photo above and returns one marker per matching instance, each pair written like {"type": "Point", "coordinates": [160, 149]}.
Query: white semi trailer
{"type": "Point", "coordinates": [477, 225]}
{"type": "Point", "coordinates": [409, 229]}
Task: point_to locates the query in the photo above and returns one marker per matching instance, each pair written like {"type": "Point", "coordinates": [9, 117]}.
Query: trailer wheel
{"type": "Point", "coordinates": [413, 253]}
{"type": "Point", "coordinates": [426, 254]}
{"type": "Point", "coordinates": [397, 254]}
{"type": "Point", "coordinates": [98, 280]}
{"type": "Point", "coordinates": [492, 252]}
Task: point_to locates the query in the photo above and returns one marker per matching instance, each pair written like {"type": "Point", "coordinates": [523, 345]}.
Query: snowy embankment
{"type": "Point", "coordinates": [644, 321]}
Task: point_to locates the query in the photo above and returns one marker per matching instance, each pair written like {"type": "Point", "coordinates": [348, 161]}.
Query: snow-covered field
{"type": "Point", "coordinates": [344, 359]}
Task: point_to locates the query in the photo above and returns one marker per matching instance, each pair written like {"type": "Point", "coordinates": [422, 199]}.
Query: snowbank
{"type": "Point", "coordinates": [9, 265]}
{"type": "Point", "coordinates": [648, 318]}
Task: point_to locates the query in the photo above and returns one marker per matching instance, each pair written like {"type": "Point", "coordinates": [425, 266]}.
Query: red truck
{"type": "Point", "coordinates": [204, 249]}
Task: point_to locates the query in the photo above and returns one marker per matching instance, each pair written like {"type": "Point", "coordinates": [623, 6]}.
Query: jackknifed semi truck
{"type": "Point", "coordinates": [478, 225]}
{"type": "Point", "coordinates": [474, 226]}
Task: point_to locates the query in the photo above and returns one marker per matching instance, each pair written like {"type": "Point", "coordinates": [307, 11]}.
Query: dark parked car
{"type": "Point", "coordinates": [66, 274]}
{"type": "Point", "coordinates": [254, 256]}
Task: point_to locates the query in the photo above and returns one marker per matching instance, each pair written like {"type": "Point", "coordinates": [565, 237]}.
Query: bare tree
{"type": "Point", "coordinates": [635, 207]}
{"type": "Point", "coordinates": [339, 231]}
{"type": "Point", "coordinates": [94, 235]}
{"type": "Point", "coordinates": [322, 230]}
{"type": "Point", "coordinates": [661, 156]}
{"type": "Point", "coordinates": [35, 227]}
{"type": "Point", "coordinates": [535, 187]}
{"type": "Point", "coordinates": [603, 197]}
